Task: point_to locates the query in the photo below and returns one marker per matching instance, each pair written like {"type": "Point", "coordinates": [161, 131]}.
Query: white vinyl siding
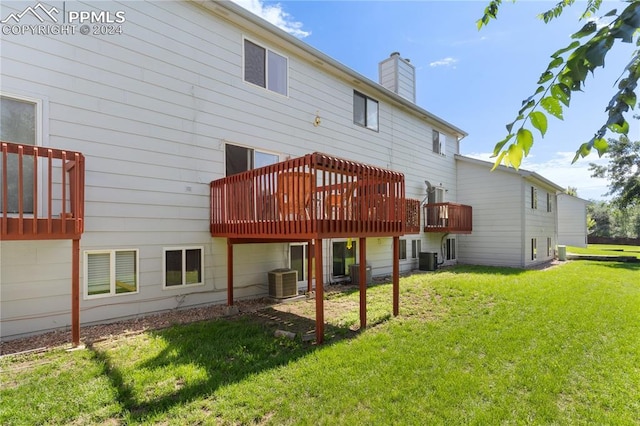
{"type": "Point", "coordinates": [152, 112]}
{"type": "Point", "coordinates": [110, 272]}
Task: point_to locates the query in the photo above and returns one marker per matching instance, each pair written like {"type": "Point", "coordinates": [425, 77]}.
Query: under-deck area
{"type": "Point", "coordinates": [310, 199]}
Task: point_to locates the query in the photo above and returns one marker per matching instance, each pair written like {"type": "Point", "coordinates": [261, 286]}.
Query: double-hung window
{"type": "Point", "coordinates": [365, 111]}
{"type": "Point", "coordinates": [265, 68]}
{"type": "Point", "coordinates": [549, 201]}
{"type": "Point", "coordinates": [110, 272]}
{"type": "Point", "coordinates": [183, 266]}
{"type": "Point", "coordinates": [19, 124]}
{"type": "Point", "coordinates": [534, 197]}
{"type": "Point", "coordinates": [239, 159]}
{"type": "Point", "coordinates": [439, 142]}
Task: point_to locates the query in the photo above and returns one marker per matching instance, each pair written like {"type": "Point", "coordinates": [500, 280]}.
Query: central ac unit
{"type": "Point", "coordinates": [283, 283]}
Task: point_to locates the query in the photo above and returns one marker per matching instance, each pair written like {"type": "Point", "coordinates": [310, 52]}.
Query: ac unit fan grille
{"type": "Point", "coordinates": [283, 283]}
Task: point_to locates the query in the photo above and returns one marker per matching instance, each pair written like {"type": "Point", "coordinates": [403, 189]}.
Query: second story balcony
{"type": "Point", "coordinates": [450, 218]}
{"type": "Point", "coordinates": [315, 196]}
{"type": "Point", "coordinates": [41, 193]}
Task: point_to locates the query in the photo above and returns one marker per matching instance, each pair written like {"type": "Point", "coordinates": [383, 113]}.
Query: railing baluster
{"type": "Point", "coordinates": [34, 228]}
{"type": "Point", "coordinates": [49, 193]}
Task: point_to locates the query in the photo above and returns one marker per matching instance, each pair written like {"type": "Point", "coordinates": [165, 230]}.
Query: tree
{"type": "Point", "coordinates": [572, 190]}
{"type": "Point", "coordinates": [567, 72]}
{"type": "Point", "coordinates": [600, 215]}
{"type": "Point", "coordinates": [622, 171]}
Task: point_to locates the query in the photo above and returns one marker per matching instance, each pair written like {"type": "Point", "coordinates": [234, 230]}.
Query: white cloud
{"type": "Point", "coordinates": [445, 62]}
{"type": "Point", "coordinates": [276, 15]}
{"type": "Point", "coordinates": [559, 170]}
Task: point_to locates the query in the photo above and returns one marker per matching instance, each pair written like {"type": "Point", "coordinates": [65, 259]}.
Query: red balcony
{"type": "Point", "coordinates": [41, 193]}
{"type": "Point", "coordinates": [315, 196]}
{"type": "Point", "coordinates": [448, 217]}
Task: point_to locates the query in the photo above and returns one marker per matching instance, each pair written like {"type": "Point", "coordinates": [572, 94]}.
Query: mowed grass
{"type": "Point", "coordinates": [472, 345]}
{"type": "Point", "coordinates": [606, 249]}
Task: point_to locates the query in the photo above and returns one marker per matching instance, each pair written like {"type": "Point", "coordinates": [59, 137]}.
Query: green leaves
{"type": "Point", "coordinates": [539, 121]}
{"type": "Point", "coordinates": [552, 106]}
{"type": "Point", "coordinates": [567, 72]}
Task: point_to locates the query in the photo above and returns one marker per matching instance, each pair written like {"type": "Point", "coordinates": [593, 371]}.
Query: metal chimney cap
{"type": "Point", "coordinates": [394, 54]}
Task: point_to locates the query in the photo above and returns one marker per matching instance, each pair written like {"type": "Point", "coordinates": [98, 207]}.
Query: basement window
{"type": "Point", "coordinates": [183, 266]}
{"type": "Point", "coordinates": [110, 273]}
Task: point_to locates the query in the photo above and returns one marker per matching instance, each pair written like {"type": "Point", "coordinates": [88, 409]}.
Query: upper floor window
{"type": "Point", "coordinates": [439, 142]}
{"type": "Point", "coordinates": [365, 111]}
{"type": "Point", "coordinates": [239, 159]}
{"type": "Point", "coordinates": [265, 68]}
{"type": "Point", "coordinates": [19, 124]}
{"type": "Point", "coordinates": [549, 201]}
{"type": "Point", "coordinates": [534, 197]}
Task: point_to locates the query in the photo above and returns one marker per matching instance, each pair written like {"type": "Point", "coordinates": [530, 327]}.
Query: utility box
{"type": "Point", "coordinates": [562, 253]}
{"type": "Point", "coordinates": [354, 272]}
{"type": "Point", "coordinates": [427, 261]}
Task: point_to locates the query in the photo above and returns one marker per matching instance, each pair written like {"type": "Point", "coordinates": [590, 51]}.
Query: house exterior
{"type": "Point", "coordinates": [572, 220]}
{"type": "Point", "coordinates": [160, 100]}
{"type": "Point", "coordinates": [514, 215]}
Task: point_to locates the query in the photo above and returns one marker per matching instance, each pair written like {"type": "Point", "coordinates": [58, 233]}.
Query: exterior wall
{"type": "Point", "coordinates": [539, 223]}
{"type": "Point", "coordinates": [572, 221]}
{"type": "Point", "coordinates": [497, 201]}
{"type": "Point", "coordinates": [151, 110]}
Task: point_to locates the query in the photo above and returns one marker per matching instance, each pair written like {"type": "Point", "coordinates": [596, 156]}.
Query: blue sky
{"type": "Point", "coordinates": [473, 79]}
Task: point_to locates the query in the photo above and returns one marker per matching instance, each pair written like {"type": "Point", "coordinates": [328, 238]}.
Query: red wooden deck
{"type": "Point", "coordinates": [42, 198]}
{"type": "Point", "coordinates": [448, 217]}
{"type": "Point", "coordinates": [41, 193]}
{"type": "Point", "coordinates": [315, 196]}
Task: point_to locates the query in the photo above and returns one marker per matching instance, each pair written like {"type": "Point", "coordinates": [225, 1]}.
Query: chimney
{"type": "Point", "coordinates": [398, 75]}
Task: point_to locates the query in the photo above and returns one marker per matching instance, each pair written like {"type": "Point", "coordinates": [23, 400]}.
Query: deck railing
{"type": "Point", "coordinates": [41, 193]}
{"type": "Point", "coordinates": [310, 196]}
{"type": "Point", "coordinates": [448, 217]}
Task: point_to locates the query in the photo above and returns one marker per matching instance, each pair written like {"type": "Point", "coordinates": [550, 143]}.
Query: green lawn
{"type": "Point", "coordinates": [472, 345]}
{"type": "Point", "coordinates": [606, 249]}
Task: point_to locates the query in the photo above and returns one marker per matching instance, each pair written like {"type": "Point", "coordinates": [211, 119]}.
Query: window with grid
{"type": "Point", "coordinates": [110, 272]}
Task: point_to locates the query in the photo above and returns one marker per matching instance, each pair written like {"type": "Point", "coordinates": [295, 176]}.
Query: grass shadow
{"type": "Point", "coordinates": [195, 360]}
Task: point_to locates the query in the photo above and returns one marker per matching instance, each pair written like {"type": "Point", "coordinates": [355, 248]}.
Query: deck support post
{"type": "Point", "coordinates": [319, 293]}
{"type": "Point", "coordinates": [75, 293]}
{"type": "Point", "coordinates": [310, 252]}
{"type": "Point", "coordinates": [229, 273]}
{"type": "Point", "coordinates": [396, 276]}
{"type": "Point", "coordinates": [362, 282]}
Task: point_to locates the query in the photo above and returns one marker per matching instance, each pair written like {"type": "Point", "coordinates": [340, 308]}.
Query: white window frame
{"type": "Point", "coordinates": [448, 243]}
{"type": "Point", "coordinates": [184, 265]}
{"type": "Point", "coordinates": [442, 142]}
{"type": "Point", "coordinates": [534, 249]}
{"type": "Point", "coordinates": [549, 247]}
{"type": "Point", "coordinates": [549, 200]}
{"type": "Point", "coordinates": [253, 154]}
{"type": "Point", "coordinates": [39, 136]}
{"type": "Point", "coordinates": [112, 273]}
{"type": "Point", "coordinates": [367, 101]}
{"type": "Point", "coordinates": [534, 198]}
{"type": "Point", "coordinates": [402, 248]}
{"type": "Point", "coordinates": [266, 67]}
{"type": "Point", "coordinates": [416, 248]}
